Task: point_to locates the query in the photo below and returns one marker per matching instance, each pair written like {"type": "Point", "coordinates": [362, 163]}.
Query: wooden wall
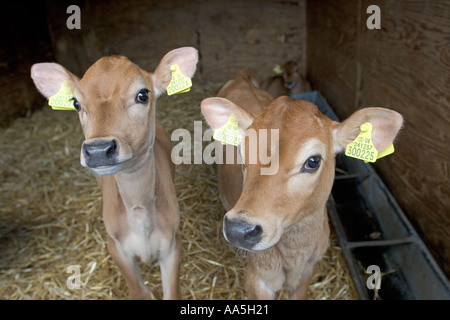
{"type": "Point", "coordinates": [228, 34]}
{"type": "Point", "coordinates": [404, 66]}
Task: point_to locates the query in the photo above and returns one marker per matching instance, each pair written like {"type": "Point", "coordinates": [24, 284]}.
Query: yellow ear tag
{"type": "Point", "coordinates": [62, 100]}
{"type": "Point", "coordinates": [362, 147]}
{"type": "Point", "coordinates": [277, 70]}
{"type": "Point", "coordinates": [179, 82]}
{"type": "Point", "coordinates": [387, 151]}
{"type": "Point", "coordinates": [229, 132]}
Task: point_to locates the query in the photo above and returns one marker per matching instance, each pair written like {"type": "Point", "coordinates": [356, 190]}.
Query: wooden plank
{"type": "Point", "coordinates": [141, 30]}
{"type": "Point", "coordinates": [331, 54]}
{"type": "Point", "coordinates": [229, 35]}
{"type": "Point", "coordinates": [404, 66]}
{"type": "Point", "coordinates": [256, 34]}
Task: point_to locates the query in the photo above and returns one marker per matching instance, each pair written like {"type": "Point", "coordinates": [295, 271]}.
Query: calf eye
{"type": "Point", "coordinates": [142, 96]}
{"type": "Point", "coordinates": [312, 164]}
{"type": "Point", "coordinates": [76, 104]}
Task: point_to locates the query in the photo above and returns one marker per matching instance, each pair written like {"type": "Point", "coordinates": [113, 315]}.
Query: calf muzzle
{"type": "Point", "coordinates": [100, 153]}
{"type": "Point", "coordinates": [241, 234]}
{"type": "Point", "coordinates": [289, 84]}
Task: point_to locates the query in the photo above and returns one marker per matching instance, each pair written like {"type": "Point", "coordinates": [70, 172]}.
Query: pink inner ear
{"type": "Point", "coordinates": [48, 77]}
{"type": "Point", "coordinates": [216, 112]}
{"type": "Point", "coordinates": [186, 58]}
{"type": "Point", "coordinates": [188, 62]}
{"type": "Point", "coordinates": [384, 131]}
{"type": "Point", "coordinates": [386, 125]}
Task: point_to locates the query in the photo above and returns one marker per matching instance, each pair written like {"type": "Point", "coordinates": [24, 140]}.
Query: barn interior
{"type": "Point", "coordinates": [50, 217]}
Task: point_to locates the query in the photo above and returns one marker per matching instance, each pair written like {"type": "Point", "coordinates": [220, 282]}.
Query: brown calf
{"type": "Point", "coordinates": [281, 218]}
{"type": "Point", "coordinates": [130, 153]}
{"type": "Point", "coordinates": [291, 81]}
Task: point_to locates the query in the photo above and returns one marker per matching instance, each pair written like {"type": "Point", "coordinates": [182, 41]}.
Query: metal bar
{"type": "Point", "coordinates": [353, 268]}
{"type": "Point", "coordinates": [380, 243]}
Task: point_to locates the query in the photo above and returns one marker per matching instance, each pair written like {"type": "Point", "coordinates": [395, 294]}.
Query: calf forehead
{"type": "Point", "coordinates": [289, 66]}
{"type": "Point", "coordinates": [298, 123]}
{"type": "Point", "coordinates": [297, 120]}
{"type": "Point", "coordinates": [302, 129]}
{"type": "Point", "coordinates": [112, 77]}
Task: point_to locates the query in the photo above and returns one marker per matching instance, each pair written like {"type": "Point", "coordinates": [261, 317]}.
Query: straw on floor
{"type": "Point", "coordinates": [50, 218]}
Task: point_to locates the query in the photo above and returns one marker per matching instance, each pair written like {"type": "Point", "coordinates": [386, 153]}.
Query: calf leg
{"type": "Point", "coordinates": [169, 263]}
{"type": "Point", "coordinates": [301, 291]}
{"type": "Point", "coordinates": [130, 270]}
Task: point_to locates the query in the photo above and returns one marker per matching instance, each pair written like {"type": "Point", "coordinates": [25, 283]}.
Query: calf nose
{"type": "Point", "coordinates": [289, 84]}
{"type": "Point", "coordinates": [241, 234]}
{"type": "Point", "coordinates": [100, 153]}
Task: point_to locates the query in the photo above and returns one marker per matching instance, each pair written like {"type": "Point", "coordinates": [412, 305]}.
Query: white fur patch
{"type": "Point", "coordinates": [137, 242]}
{"type": "Point", "coordinates": [265, 289]}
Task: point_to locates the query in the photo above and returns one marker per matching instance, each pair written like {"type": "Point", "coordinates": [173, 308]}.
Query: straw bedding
{"type": "Point", "coordinates": [50, 218]}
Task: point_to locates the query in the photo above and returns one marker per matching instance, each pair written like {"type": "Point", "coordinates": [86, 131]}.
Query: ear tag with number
{"type": "Point", "coordinates": [362, 147]}
{"type": "Point", "coordinates": [62, 100]}
{"type": "Point", "coordinates": [229, 133]}
{"type": "Point", "coordinates": [179, 82]}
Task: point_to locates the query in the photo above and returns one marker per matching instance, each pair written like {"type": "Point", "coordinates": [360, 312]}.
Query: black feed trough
{"type": "Point", "coordinates": [373, 231]}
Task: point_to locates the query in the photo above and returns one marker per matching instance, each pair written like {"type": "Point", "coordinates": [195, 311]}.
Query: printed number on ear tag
{"type": "Point", "coordinates": [229, 133]}
{"type": "Point", "coordinates": [362, 147]}
{"type": "Point", "coordinates": [62, 100]}
{"type": "Point", "coordinates": [179, 82]}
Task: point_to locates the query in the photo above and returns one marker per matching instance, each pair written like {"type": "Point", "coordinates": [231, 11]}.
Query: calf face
{"type": "Point", "coordinates": [291, 74]}
{"type": "Point", "coordinates": [115, 117]}
{"type": "Point", "coordinates": [270, 205]}
{"type": "Point", "coordinates": [115, 101]}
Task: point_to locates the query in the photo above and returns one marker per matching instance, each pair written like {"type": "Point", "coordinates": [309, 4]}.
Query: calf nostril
{"type": "Point", "coordinates": [253, 233]}
{"type": "Point", "coordinates": [111, 149]}
{"type": "Point", "coordinates": [242, 234]}
{"type": "Point", "coordinates": [86, 152]}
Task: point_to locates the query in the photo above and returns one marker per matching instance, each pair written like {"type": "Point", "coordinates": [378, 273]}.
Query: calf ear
{"type": "Point", "coordinates": [217, 111]}
{"type": "Point", "coordinates": [186, 58]}
{"type": "Point", "coordinates": [386, 125]}
{"type": "Point", "coordinates": [48, 78]}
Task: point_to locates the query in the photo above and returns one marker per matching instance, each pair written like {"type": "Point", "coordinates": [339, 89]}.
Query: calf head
{"type": "Point", "coordinates": [115, 101]}
{"type": "Point", "coordinates": [307, 143]}
{"type": "Point", "coordinates": [291, 74]}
